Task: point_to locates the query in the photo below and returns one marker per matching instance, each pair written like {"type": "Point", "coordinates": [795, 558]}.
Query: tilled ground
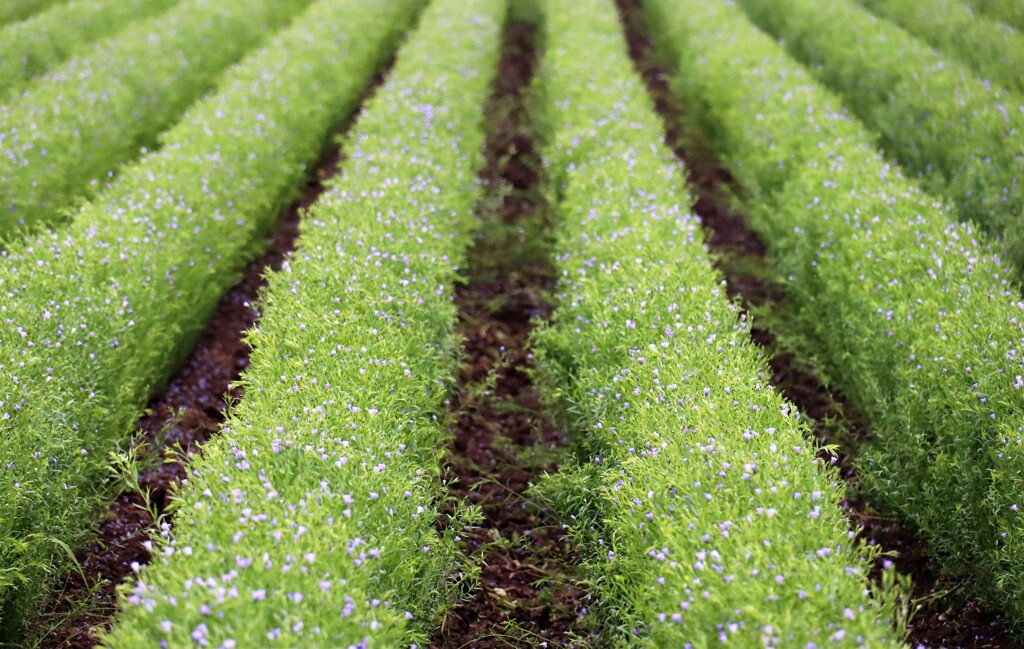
{"type": "Point", "coordinates": [946, 616]}
{"type": "Point", "coordinates": [503, 439]}
{"type": "Point", "coordinates": [503, 443]}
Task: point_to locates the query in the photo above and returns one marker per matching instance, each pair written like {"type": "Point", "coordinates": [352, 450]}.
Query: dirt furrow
{"type": "Point", "coordinates": [179, 419]}
{"type": "Point", "coordinates": [503, 438]}
{"type": "Point", "coordinates": [946, 616]}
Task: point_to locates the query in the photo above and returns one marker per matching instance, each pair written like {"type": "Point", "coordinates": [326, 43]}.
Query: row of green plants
{"type": "Point", "coordinates": [29, 48]}
{"type": "Point", "coordinates": [904, 310]}
{"type": "Point", "coordinates": [1010, 12]}
{"type": "Point", "coordinates": [994, 51]}
{"type": "Point", "coordinates": [312, 520]}
{"type": "Point", "coordinates": [14, 10]}
{"type": "Point", "coordinates": [94, 318]}
{"type": "Point", "coordinates": [64, 137]}
{"type": "Point", "coordinates": [706, 513]}
{"type": "Point", "coordinates": [963, 136]}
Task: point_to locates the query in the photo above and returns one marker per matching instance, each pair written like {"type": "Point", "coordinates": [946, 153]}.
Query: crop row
{"type": "Point", "coordinates": [29, 48]}
{"type": "Point", "coordinates": [67, 133]}
{"type": "Point", "coordinates": [1010, 12]}
{"type": "Point", "coordinates": [14, 10]}
{"type": "Point", "coordinates": [312, 519]}
{"type": "Point", "coordinates": [965, 137]}
{"type": "Point", "coordinates": [993, 50]}
{"type": "Point", "coordinates": [707, 513]}
{"type": "Point", "coordinates": [910, 315]}
{"type": "Point", "coordinates": [95, 317]}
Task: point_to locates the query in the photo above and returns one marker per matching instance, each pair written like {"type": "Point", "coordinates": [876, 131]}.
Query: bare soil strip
{"type": "Point", "coordinates": [503, 438]}
{"type": "Point", "coordinates": [180, 419]}
{"type": "Point", "coordinates": [947, 617]}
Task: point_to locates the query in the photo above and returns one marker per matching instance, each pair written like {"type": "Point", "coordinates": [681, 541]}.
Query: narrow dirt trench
{"type": "Point", "coordinates": [503, 438]}
{"type": "Point", "coordinates": [946, 616]}
{"type": "Point", "coordinates": [180, 419]}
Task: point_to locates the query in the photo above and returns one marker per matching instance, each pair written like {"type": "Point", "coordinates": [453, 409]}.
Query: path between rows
{"type": "Point", "coordinates": [503, 438]}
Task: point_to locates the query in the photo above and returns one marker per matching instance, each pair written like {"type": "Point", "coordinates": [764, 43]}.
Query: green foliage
{"type": "Point", "coordinates": [29, 48]}
{"type": "Point", "coordinates": [94, 318]}
{"type": "Point", "coordinates": [13, 10]}
{"type": "Point", "coordinates": [320, 497]}
{"type": "Point", "coordinates": [66, 134]}
{"type": "Point", "coordinates": [963, 136]}
{"type": "Point", "coordinates": [993, 50]}
{"type": "Point", "coordinates": [707, 513]}
{"type": "Point", "coordinates": [911, 315]}
{"type": "Point", "coordinates": [1010, 12]}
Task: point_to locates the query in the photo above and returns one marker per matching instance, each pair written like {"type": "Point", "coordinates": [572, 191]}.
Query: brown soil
{"type": "Point", "coordinates": [946, 618]}
{"type": "Point", "coordinates": [503, 439]}
{"type": "Point", "coordinates": [183, 417]}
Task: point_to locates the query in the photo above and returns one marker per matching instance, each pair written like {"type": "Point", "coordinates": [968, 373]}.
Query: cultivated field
{"type": "Point", "coordinates": [560, 323]}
